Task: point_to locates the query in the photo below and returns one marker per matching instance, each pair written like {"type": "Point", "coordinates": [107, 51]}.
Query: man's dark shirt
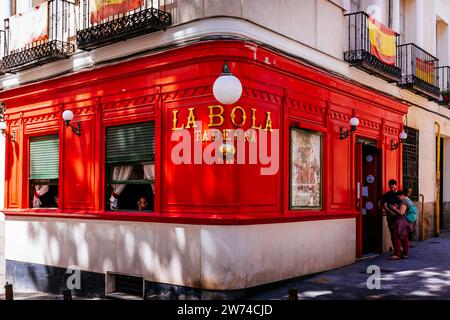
{"type": "Point", "coordinates": [390, 198]}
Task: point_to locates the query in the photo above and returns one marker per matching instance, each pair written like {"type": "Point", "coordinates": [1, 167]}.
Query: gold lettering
{"type": "Point", "coordinates": [253, 137]}
{"type": "Point", "coordinates": [226, 134]}
{"type": "Point", "coordinates": [212, 115]}
{"type": "Point", "coordinates": [238, 135]}
{"type": "Point", "coordinates": [198, 134]}
{"type": "Point", "coordinates": [175, 121]}
{"type": "Point", "coordinates": [191, 119]}
{"type": "Point", "coordinates": [215, 135]}
{"type": "Point", "coordinates": [205, 136]}
{"type": "Point", "coordinates": [254, 120]}
{"type": "Point", "coordinates": [233, 116]}
{"type": "Point", "coordinates": [246, 136]}
{"type": "Point", "coordinates": [268, 122]}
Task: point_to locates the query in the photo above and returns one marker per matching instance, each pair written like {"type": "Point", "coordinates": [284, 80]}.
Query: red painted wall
{"type": "Point", "coordinates": [150, 88]}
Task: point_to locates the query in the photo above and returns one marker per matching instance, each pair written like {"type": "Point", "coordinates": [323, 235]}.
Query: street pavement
{"type": "Point", "coordinates": [425, 275]}
{"type": "Point", "coordinates": [39, 296]}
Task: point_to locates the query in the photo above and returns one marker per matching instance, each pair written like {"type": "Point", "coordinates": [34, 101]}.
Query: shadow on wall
{"type": "Point", "coordinates": [132, 248]}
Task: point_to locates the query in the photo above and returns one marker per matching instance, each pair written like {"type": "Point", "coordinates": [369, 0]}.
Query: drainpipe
{"type": "Point", "coordinates": [422, 219]}
{"type": "Point", "coordinates": [438, 178]}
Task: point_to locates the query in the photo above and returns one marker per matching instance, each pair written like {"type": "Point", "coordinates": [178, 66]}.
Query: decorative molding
{"type": "Point", "coordinates": [262, 95]}
{"type": "Point", "coordinates": [391, 130]}
{"type": "Point", "coordinates": [186, 93]}
{"type": "Point", "coordinates": [362, 122]}
{"type": "Point", "coordinates": [125, 103]}
{"type": "Point", "coordinates": [297, 106]}
{"type": "Point", "coordinates": [338, 116]}
{"type": "Point", "coordinates": [41, 118]}
{"type": "Point", "coordinates": [369, 124]}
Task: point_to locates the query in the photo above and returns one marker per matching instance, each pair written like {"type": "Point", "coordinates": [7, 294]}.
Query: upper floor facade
{"type": "Point", "coordinates": [339, 35]}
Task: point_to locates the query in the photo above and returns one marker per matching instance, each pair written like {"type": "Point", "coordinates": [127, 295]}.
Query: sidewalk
{"type": "Point", "coordinates": [39, 296]}
{"type": "Point", "coordinates": [425, 275]}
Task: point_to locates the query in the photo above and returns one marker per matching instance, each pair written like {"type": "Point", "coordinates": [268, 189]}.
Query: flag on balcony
{"type": "Point", "coordinates": [425, 70]}
{"type": "Point", "coordinates": [102, 9]}
{"type": "Point", "coordinates": [383, 43]}
{"type": "Point", "coordinates": [28, 27]}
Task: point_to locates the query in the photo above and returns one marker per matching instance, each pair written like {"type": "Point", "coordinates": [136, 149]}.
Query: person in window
{"type": "Point", "coordinates": [142, 204]}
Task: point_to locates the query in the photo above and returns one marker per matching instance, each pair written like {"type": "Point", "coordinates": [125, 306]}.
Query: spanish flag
{"type": "Point", "coordinates": [102, 9]}
{"type": "Point", "coordinates": [382, 42]}
{"type": "Point", "coordinates": [425, 70]}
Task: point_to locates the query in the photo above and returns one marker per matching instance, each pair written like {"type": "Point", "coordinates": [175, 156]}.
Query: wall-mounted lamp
{"type": "Point", "coordinates": [67, 116]}
{"type": "Point", "coordinates": [354, 123]}
{"type": "Point", "coordinates": [227, 88]}
{"type": "Point", "coordinates": [402, 137]}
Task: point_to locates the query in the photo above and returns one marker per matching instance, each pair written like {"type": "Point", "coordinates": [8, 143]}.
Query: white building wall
{"type": "Point", "coordinates": [201, 256]}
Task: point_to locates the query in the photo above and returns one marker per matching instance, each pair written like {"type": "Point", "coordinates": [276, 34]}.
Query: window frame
{"type": "Point", "coordinates": [50, 182]}
{"type": "Point", "coordinates": [108, 167]}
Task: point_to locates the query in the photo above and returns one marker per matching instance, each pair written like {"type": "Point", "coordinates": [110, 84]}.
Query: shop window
{"type": "Point", "coordinates": [44, 171]}
{"type": "Point", "coordinates": [130, 168]}
{"type": "Point", "coordinates": [411, 162]}
{"type": "Point", "coordinates": [306, 169]}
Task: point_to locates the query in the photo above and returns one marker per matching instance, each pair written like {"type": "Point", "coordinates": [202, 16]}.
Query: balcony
{"type": "Point", "coordinates": [361, 52]}
{"type": "Point", "coordinates": [48, 35]}
{"type": "Point", "coordinates": [444, 84]}
{"type": "Point", "coordinates": [419, 71]}
{"type": "Point", "coordinates": [105, 24]}
{"type": "Point", "coordinates": [2, 71]}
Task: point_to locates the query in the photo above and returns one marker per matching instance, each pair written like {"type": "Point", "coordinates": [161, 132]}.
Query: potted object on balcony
{"type": "Point", "coordinates": [446, 96]}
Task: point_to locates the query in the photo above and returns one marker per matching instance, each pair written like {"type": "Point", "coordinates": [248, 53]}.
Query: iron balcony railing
{"type": "Point", "coordinates": [444, 84]}
{"type": "Point", "coordinates": [359, 52]}
{"type": "Point", "coordinates": [55, 42]}
{"type": "Point", "coordinates": [2, 52]}
{"type": "Point", "coordinates": [103, 24]}
{"type": "Point", "coordinates": [419, 70]}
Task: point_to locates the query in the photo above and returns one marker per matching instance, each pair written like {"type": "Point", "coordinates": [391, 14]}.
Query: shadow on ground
{"type": "Point", "coordinates": [425, 275]}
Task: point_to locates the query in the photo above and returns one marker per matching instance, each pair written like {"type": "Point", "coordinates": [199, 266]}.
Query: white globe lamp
{"type": "Point", "coordinates": [227, 88]}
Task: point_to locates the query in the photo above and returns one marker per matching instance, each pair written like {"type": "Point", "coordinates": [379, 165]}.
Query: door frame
{"type": "Point", "coordinates": [359, 141]}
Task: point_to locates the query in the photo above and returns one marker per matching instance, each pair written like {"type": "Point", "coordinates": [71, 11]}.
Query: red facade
{"type": "Point", "coordinates": [151, 88]}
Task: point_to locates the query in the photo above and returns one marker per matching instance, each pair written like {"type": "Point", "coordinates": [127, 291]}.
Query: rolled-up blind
{"type": "Point", "coordinates": [44, 157]}
{"type": "Point", "coordinates": [130, 143]}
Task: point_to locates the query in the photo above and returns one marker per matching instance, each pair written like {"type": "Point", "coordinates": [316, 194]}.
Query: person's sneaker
{"type": "Point", "coordinates": [404, 257]}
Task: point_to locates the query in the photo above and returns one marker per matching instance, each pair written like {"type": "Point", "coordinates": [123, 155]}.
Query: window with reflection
{"type": "Point", "coordinates": [44, 171]}
{"type": "Point", "coordinates": [130, 167]}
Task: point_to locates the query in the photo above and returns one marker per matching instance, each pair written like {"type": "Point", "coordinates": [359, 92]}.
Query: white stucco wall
{"type": "Point", "coordinates": [424, 122]}
{"type": "Point", "coordinates": [210, 257]}
{"type": "Point", "coordinates": [305, 21]}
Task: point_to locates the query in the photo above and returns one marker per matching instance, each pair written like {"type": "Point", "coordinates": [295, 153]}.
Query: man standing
{"type": "Point", "coordinates": [390, 199]}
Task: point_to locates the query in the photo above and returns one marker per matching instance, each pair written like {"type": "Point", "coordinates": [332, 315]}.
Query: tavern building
{"type": "Point", "coordinates": [94, 117]}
